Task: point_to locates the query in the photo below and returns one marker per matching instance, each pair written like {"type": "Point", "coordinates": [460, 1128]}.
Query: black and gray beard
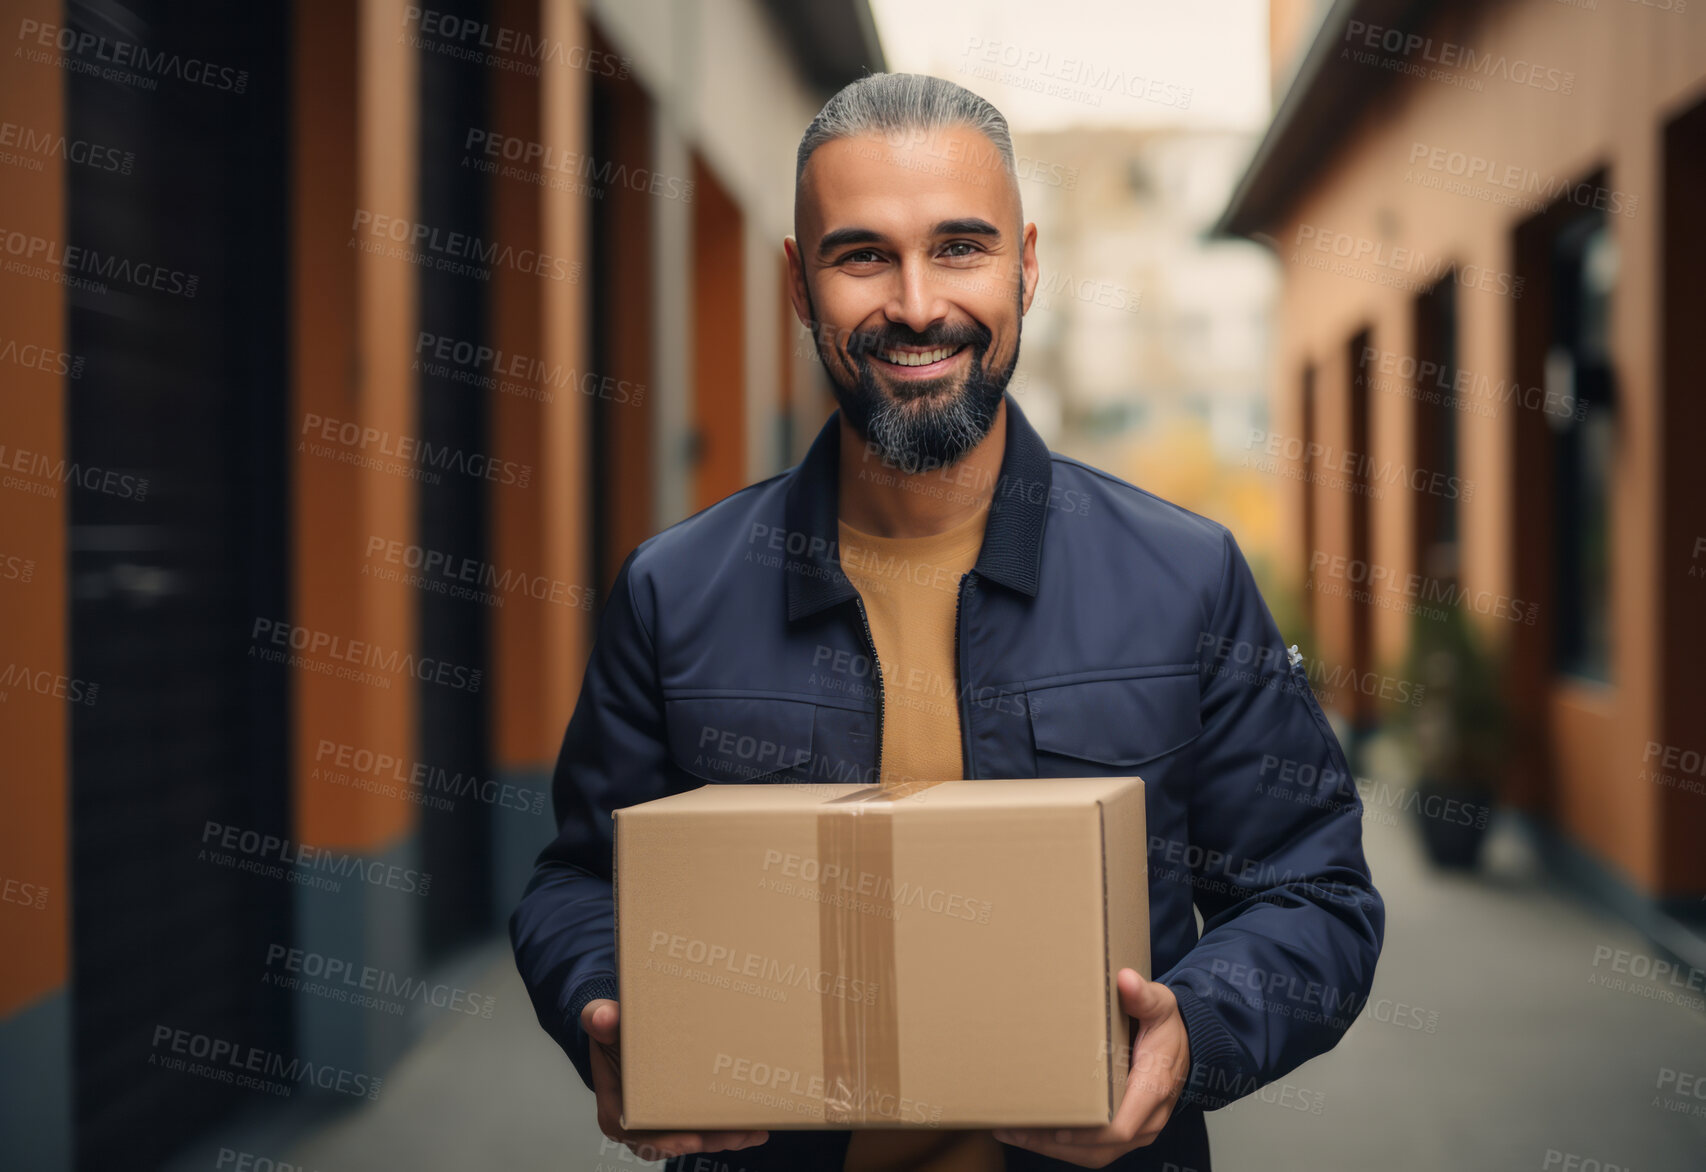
{"type": "Point", "coordinates": [920, 426]}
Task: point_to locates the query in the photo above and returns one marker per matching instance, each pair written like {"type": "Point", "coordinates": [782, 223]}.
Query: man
{"type": "Point", "coordinates": [931, 593]}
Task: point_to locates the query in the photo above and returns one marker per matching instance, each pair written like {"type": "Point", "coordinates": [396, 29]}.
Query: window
{"type": "Point", "coordinates": [1578, 372]}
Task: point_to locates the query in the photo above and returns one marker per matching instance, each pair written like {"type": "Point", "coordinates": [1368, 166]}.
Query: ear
{"type": "Point", "coordinates": [797, 281]}
{"type": "Point", "coordinates": [1028, 267]}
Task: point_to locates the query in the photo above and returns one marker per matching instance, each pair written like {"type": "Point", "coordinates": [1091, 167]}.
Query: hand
{"type": "Point", "coordinates": [1160, 1063]}
{"type": "Point", "coordinates": [599, 1019]}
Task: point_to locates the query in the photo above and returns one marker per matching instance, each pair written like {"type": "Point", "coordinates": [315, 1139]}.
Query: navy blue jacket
{"type": "Point", "coordinates": [1102, 631]}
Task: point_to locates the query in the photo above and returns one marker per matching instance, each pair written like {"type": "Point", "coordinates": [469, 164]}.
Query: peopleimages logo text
{"type": "Point", "coordinates": [74, 260]}
{"type": "Point", "coordinates": [1360, 34]}
{"type": "Point", "coordinates": [421, 239]}
{"type": "Point", "coordinates": [225, 1058]}
{"type": "Point", "coordinates": [365, 439]}
{"type": "Point", "coordinates": [358, 651]}
{"type": "Point", "coordinates": [255, 845]}
{"type": "Point", "coordinates": [338, 972]}
{"type": "Point", "coordinates": [150, 62]}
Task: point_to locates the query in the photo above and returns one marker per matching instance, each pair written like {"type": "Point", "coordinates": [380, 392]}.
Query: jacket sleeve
{"type": "Point", "coordinates": [1292, 923]}
{"type": "Point", "coordinates": [614, 754]}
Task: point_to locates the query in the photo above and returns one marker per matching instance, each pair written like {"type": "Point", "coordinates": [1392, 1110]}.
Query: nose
{"type": "Point", "coordinates": [917, 300]}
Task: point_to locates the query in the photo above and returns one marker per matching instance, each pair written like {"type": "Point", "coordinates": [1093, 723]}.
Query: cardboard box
{"type": "Point", "coordinates": [846, 956]}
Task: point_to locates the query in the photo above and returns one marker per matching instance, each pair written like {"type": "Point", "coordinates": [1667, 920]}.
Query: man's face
{"type": "Point", "coordinates": [914, 274]}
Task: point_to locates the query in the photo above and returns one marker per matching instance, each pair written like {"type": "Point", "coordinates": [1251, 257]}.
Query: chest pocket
{"type": "Point", "coordinates": [741, 739]}
{"type": "Point", "coordinates": [1106, 727]}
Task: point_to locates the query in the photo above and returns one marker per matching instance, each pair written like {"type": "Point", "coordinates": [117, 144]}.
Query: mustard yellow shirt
{"type": "Point", "coordinates": [910, 587]}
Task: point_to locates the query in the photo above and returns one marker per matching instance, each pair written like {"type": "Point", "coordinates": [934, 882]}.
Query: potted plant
{"type": "Point", "coordinates": [1457, 732]}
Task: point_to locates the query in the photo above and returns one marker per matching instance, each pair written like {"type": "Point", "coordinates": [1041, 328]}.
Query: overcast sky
{"type": "Point", "coordinates": [1049, 64]}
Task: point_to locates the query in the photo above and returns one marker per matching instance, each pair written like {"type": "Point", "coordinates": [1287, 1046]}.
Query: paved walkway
{"type": "Point", "coordinates": [1488, 1046]}
{"type": "Point", "coordinates": [1530, 1060]}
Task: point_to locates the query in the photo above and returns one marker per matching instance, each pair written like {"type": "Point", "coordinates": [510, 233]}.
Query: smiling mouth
{"type": "Point", "coordinates": [910, 358]}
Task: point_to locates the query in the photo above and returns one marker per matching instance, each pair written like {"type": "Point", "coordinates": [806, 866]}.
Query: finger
{"type": "Point", "coordinates": [1077, 1138]}
{"type": "Point", "coordinates": [606, 1065]}
{"type": "Point", "coordinates": [1084, 1157]}
{"type": "Point", "coordinates": [607, 1090]}
{"type": "Point", "coordinates": [599, 1019]}
{"type": "Point", "coordinates": [659, 1145]}
{"type": "Point", "coordinates": [1143, 999]}
{"type": "Point", "coordinates": [1147, 1105]}
{"type": "Point", "coordinates": [656, 1145]}
{"type": "Point", "coordinates": [1150, 1093]}
{"type": "Point", "coordinates": [729, 1141]}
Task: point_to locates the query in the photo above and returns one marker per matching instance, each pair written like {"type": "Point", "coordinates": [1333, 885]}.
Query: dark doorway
{"type": "Point", "coordinates": [1311, 536]}
{"type": "Point", "coordinates": [456, 843]}
{"type": "Point", "coordinates": [1578, 369]}
{"type": "Point", "coordinates": [1560, 430]}
{"type": "Point", "coordinates": [1358, 462]}
{"type": "Point", "coordinates": [719, 339]}
{"type": "Point", "coordinates": [178, 546]}
{"type": "Point", "coordinates": [619, 432]}
{"type": "Point", "coordinates": [1682, 504]}
{"type": "Point", "coordinates": [1434, 554]}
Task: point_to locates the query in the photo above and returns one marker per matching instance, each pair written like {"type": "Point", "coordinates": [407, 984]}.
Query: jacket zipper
{"type": "Point", "coordinates": [960, 682]}
{"type": "Point", "coordinates": [876, 670]}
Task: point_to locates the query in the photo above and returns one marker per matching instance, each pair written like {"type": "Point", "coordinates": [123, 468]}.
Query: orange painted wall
{"type": "Point", "coordinates": [540, 647]}
{"type": "Point", "coordinates": [353, 344]}
{"type": "Point", "coordinates": [34, 728]}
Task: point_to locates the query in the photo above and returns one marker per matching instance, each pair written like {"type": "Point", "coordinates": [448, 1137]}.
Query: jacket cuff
{"type": "Point", "coordinates": [1214, 1079]}
{"type": "Point", "coordinates": [574, 1036]}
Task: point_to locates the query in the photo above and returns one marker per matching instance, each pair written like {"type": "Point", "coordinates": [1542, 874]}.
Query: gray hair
{"type": "Point", "coordinates": [888, 103]}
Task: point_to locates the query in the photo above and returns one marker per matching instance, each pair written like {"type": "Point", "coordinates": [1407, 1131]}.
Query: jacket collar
{"type": "Point", "coordinates": [1012, 539]}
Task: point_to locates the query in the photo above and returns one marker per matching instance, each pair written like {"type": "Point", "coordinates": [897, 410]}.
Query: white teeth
{"type": "Point", "coordinates": [923, 358]}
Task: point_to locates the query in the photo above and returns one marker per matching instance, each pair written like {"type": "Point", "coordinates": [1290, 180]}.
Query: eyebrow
{"type": "Point", "coordinates": [964, 226]}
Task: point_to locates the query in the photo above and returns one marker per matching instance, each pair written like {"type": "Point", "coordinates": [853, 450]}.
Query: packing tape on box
{"type": "Point", "coordinates": [861, 1041]}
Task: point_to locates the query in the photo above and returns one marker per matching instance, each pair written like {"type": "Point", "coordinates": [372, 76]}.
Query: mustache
{"type": "Point", "coordinates": [863, 342]}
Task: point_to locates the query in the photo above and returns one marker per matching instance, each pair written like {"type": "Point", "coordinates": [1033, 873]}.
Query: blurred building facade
{"type": "Point", "coordinates": [333, 406]}
{"type": "Point", "coordinates": [1487, 385]}
{"type": "Point", "coordinates": [1136, 311]}
{"type": "Point", "coordinates": [1146, 349]}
